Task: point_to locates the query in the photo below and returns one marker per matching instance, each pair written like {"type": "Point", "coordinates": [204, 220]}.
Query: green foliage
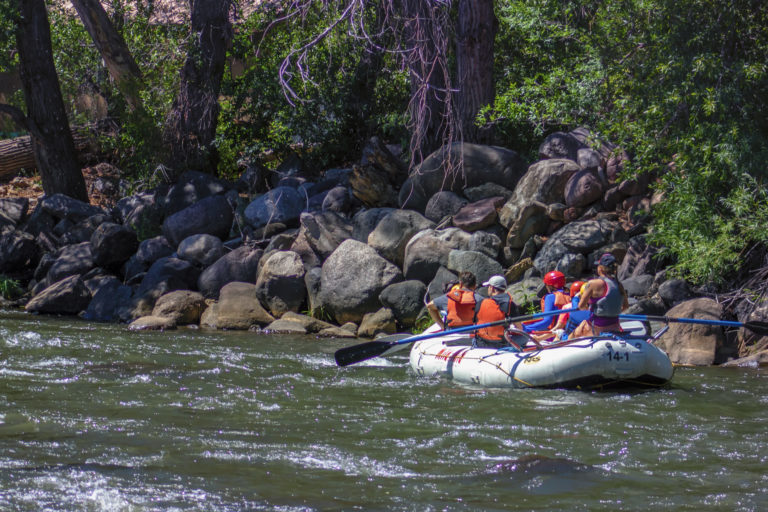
{"type": "Point", "coordinates": [422, 323]}
{"type": "Point", "coordinates": [9, 288]}
{"type": "Point", "coordinates": [682, 86]}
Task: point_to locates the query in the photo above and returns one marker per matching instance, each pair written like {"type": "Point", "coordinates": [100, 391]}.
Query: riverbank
{"type": "Point", "coordinates": [349, 252]}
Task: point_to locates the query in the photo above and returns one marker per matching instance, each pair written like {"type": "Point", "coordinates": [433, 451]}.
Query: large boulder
{"type": "Point", "coordinates": [238, 265]}
{"type": "Point", "coordinates": [279, 205]}
{"type": "Point", "coordinates": [71, 260]}
{"type": "Point", "coordinates": [13, 210]}
{"type": "Point", "coordinates": [19, 253]}
{"type": "Point", "coordinates": [695, 344]}
{"type": "Point", "coordinates": [478, 263]}
{"type": "Point", "coordinates": [239, 308]}
{"type": "Point", "coordinates": [443, 204]}
{"type": "Point", "coordinates": [202, 250]}
{"type": "Point", "coordinates": [560, 145]}
{"type": "Point", "coordinates": [140, 212]}
{"type": "Point", "coordinates": [405, 299]}
{"type": "Point", "coordinates": [280, 285]}
{"type": "Point", "coordinates": [428, 250]}
{"type": "Point", "coordinates": [366, 220]}
{"type": "Point", "coordinates": [378, 322]}
{"type": "Point", "coordinates": [183, 306]}
{"type": "Point", "coordinates": [750, 342]}
{"type": "Point", "coordinates": [352, 279]}
{"type": "Point", "coordinates": [66, 297]}
{"type": "Point", "coordinates": [640, 259]}
{"type": "Point", "coordinates": [543, 182]}
{"type": "Point", "coordinates": [394, 231]}
{"type": "Point", "coordinates": [61, 207]}
{"type": "Point", "coordinates": [478, 215]}
{"type": "Point", "coordinates": [192, 187]}
{"type": "Point", "coordinates": [212, 216]}
{"type": "Point", "coordinates": [533, 219]}
{"type": "Point", "coordinates": [108, 301]}
{"type": "Point", "coordinates": [583, 188]}
{"type": "Point", "coordinates": [481, 164]}
{"type": "Point", "coordinates": [580, 237]}
{"type": "Point", "coordinates": [324, 231]}
{"type": "Point", "coordinates": [113, 244]}
{"type": "Point", "coordinates": [165, 275]}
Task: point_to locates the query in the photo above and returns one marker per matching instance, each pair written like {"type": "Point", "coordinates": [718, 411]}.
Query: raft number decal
{"type": "Point", "coordinates": [617, 356]}
{"type": "Point", "coordinates": [532, 359]}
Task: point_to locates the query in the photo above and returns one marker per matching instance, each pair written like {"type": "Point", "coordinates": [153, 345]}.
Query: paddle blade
{"type": "Point", "coordinates": [356, 353]}
{"type": "Point", "coordinates": [760, 328]}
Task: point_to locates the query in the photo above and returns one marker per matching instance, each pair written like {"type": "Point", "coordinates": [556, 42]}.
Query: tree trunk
{"type": "Point", "coordinates": [430, 108]}
{"type": "Point", "coordinates": [191, 124]}
{"type": "Point", "coordinates": [477, 27]}
{"type": "Point", "coordinates": [111, 45]}
{"type": "Point", "coordinates": [46, 118]}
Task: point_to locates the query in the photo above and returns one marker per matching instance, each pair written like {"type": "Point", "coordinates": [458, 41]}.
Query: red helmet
{"type": "Point", "coordinates": [576, 288]}
{"type": "Point", "coordinates": [555, 278]}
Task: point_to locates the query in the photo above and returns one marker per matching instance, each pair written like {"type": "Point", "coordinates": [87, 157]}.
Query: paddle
{"type": "Point", "coordinates": [760, 328]}
{"type": "Point", "coordinates": [370, 349]}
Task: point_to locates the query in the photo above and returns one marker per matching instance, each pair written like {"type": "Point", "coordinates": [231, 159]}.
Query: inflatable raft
{"type": "Point", "coordinates": [626, 359]}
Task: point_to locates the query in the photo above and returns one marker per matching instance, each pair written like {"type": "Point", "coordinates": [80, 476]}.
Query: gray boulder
{"type": "Point", "coordinates": [60, 207]}
{"type": "Point", "coordinates": [379, 322]}
{"type": "Point", "coordinates": [13, 210]}
{"type": "Point", "coordinates": [201, 250]}
{"type": "Point", "coordinates": [639, 285]}
{"type": "Point", "coordinates": [66, 297]}
{"type": "Point", "coordinates": [184, 306]}
{"type": "Point", "coordinates": [531, 220]}
{"type": "Point", "coordinates": [140, 212]}
{"type": "Point", "coordinates": [476, 262]}
{"type": "Point", "coordinates": [324, 231]}
{"type": "Point", "coordinates": [437, 286]}
{"type": "Point", "coordinates": [393, 232]}
{"type": "Point", "coordinates": [485, 190]}
{"type": "Point", "coordinates": [482, 164]}
{"type": "Point", "coordinates": [113, 244]}
{"type": "Point", "coordinates": [238, 265]}
{"type": "Point", "coordinates": [70, 260]}
{"type": "Point", "coordinates": [192, 187]}
{"type": "Point", "coordinates": [583, 188]}
{"type": "Point", "coordinates": [486, 243]}
{"type": "Point", "coordinates": [443, 204]}
{"type": "Point", "coordinates": [211, 216]}
{"type": "Point", "coordinates": [239, 308]}
{"type": "Point", "coordinates": [674, 292]}
{"type": "Point", "coordinates": [366, 221]}
{"type": "Point", "coordinates": [280, 285]}
{"type": "Point", "coordinates": [580, 237]}
{"type": "Point", "coordinates": [405, 299]}
{"type": "Point", "coordinates": [695, 344]}
{"type": "Point", "coordinates": [165, 275]}
{"type": "Point", "coordinates": [107, 302]}
{"type": "Point", "coordinates": [337, 200]}
{"type": "Point", "coordinates": [19, 253]}
{"type": "Point", "coordinates": [543, 182]}
{"type": "Point", "coordinates": [279, 205]}
{"type": "Point", "coordinates": [560, 145]}
{"type": "Point", "coordinates": [428, 250]}
{"type": "Point", "coordinates": [352, 279]}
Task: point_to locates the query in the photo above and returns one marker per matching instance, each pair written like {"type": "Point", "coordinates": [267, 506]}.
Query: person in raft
{"type": "Point", "coordinates": [605, 298]}
{"type": "Point", "coordinates": [566, 322]}
{"type": "Point", "coordinates": [556, 298]}
{"type": "Point", "coordinates": [498, 306]}
{"type": "Point", "coordinates": [460, 304]}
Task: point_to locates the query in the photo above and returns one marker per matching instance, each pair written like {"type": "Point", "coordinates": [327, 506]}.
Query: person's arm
{"type": "Point", "coordinates": [542, 324]}
{"type": "Point", "coordinates": [586, 295]}
{"type": "Point", "coordinates": [434, 314]}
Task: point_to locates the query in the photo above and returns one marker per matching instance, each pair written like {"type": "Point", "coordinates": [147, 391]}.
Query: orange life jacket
{"type": "Point", "coordinates": [461, 307]}
{"type": "Point", "coordinates": [492, 309]}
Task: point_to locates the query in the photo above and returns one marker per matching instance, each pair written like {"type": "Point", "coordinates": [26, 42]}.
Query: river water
{"type": "Point", "coordinates": [93, 417]}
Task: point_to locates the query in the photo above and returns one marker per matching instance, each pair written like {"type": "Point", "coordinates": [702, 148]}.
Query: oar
{"type": "Point", "coordinates": [357, 353]}
{"type": "Point", "coordinates": [760, 328]}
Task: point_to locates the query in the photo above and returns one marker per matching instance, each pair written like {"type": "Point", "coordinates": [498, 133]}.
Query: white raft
{"type": "Point", "coordinates": [614, 360]}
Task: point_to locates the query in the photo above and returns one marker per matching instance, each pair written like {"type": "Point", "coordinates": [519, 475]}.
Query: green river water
{"type": "Point", "coordinates": [93, 417]}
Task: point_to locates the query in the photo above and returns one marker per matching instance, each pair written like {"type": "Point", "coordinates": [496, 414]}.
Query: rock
{"type": "Point", "coordinates": [238, 265]}
{"type": "Point", "coordinates": [640, 259]}
{"type": "Point", "coordinates": [428, 250]}
{"type": "Point", "coordinates": [279, 205]}
{"type": "Point", "coordinates": [336, 332]}
{"type": "Point", "coordinates": [211, 216]}
{"type": "Point", "coordinates": [516, 271]}
{"type": "Point", "coordinates": [579, 237]}
{"type": "Point", "coordinates": [653, 306]}
{"type": "Point", "coordinates": [337, 200]}
{"type": "Point", "coordinates": [253, 179]}
{"type": "Point", "coordinates": [366, 221]}
{"type": "Point", "coordinates": [753, 361]}
{"type": "Point", "coordinates": [372, 186]}
{"type": "Point", "coordinates": [60, 207]}
{"type": "Point", "coordinates": [532, 219]}
{"type": "Point", "coordinates": [280, 285]}
{"type": "Point", "coordinates": [543, 182]}
{"type": "Point", "coordinates": [282, 326]}
{"type": "Point", "coordinates": [442, 278]}
{"type": "Point", "coordinates": [482, 164]}
{"type": "Point", "coordinates": [560, 145]}
{"type": "Point", "coordinates": [71, 260]}
{"type": "Point", "coordinates": [192, 187]}
{"type": "Point", "coordinates": [674, 292]}
{"type": "Point", "coordinates": [302, 247]}
{"type": "Point", "coordinates": [165, 275]}
{"type": "Point", "coordinates": [152, 323]}
{"type": "Point", "coordinates": [352, 279]}
{"type": "Point", "coordinates": [312, 280]}
{"type": "Point", "coordinates": [393, 232]}
{"type": "Point", "coordinates": [526, 293]}
{"type": "Point", "coordinates": [476, 262]}
{"type": "Point", "coordinates": [210, 316]}
{"type": "Point", "coordinates": [107, 302]}
{"type": "Point", "coordinates": [486, 243]}
{"type": "Point", "coordinates": [375, 152]}
{"type": "Point", "coordinates": [382, 321]}
{"type": "Point", "coordinates": [183, 306]}
{"type": "Point", "coordinates": [750, 343]}
{"type": "Point", "coordinates": [324, 231]}
{"type": "Point", "coordinates": [405, 300]}
{"type": "Point", "coordinates": [307, 322]}
{"type": "Point", "coordinates": [639, 285]}
{"type": "Point", "coordinates": [485, 190]}
{"type": "Point", "coordinates": [201, 250]}
{"type": "Point", "coordinates": [583, 188]}
{"type": "Point", "coordinates": [113, 244]}
{"type": "Point", "coordinates": [239, 309]}
{"type": "Point", "coordinates": [66, 297]}
{"type": "Point", "coordinates": [443, 204]}
{"type": "Point", "coordinates": [19, 253]}
{"type": "Point", "coordinates": [13, 211]}
{"type": "Point", "coordinates": [694, 344]}
{"type": "Point", "coordinates": [589, 159]}
{"type": "Point", "coordinates": [478, 215]}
